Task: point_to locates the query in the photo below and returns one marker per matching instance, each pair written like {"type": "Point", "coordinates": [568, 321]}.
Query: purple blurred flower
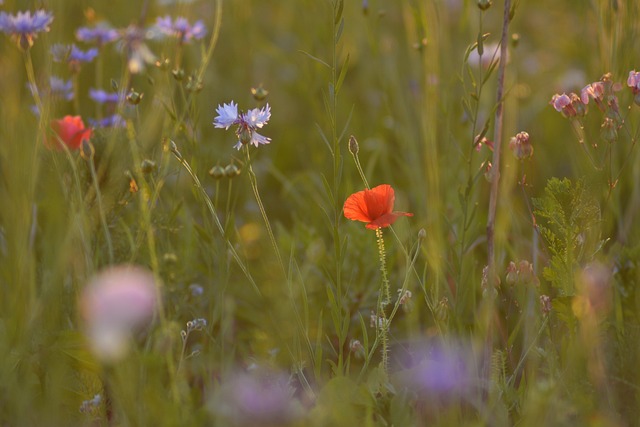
{"type": "Point", "coordinates": [116, 303]}
{"type": "Point", "coordinates": [181, 29]}
{"type": "Point", "coordinates": [247, 123]}
{"type": "Point", "coordinates": [257, 398]}
{"type": "Point", "coordinates": [101, 34]}
{"type": "Point", "coordinates": [103, 97]}
{"type": "Point", "coordinates": [114, 121]}
{"type": "Point", "coordinates": [23, 27]}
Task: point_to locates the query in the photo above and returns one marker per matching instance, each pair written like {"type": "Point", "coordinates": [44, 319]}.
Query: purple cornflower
{"type": "Point", "coordinates": [23, 27]}
{"type": "Point", "coordinates": [102, 97]}
{"type": "Point", "coordinates": [181, 29]}
{"type": "Point", "coordinates": [101, 34]}
{"type": "Point", "coordinates": [247, 123]}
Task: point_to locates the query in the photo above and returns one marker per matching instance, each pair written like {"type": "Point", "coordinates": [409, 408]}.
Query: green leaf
{"type": "Point", "coordinates": [343, 73]}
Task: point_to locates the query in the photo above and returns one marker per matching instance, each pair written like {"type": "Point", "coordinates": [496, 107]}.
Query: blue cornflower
{"type": "Point", "coordinates": [181, 29]}
{"type": "Point", "coordinates": [72, 54]}
{"type": "Point", "coordinates": [247, 123]}
{"type": "Point", "coordinates": [23, 27]}
{"type": "Point", "coordinates": [102, 97]}
{"type": "Point", "coordinates": [114, 121]}
{"type": "Point", "coordinates": [101, 34]}
{"type": "Point", "coordinates": [61, 88]}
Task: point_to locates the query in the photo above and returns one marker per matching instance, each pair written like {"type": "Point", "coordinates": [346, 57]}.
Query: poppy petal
{"type": "Point", "coordinates": [379, 200]}
{"type": "Point", "coordinates": [355, 207]}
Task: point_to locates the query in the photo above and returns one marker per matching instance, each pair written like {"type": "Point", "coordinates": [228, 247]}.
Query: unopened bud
{"type": "Point", "coordinates": [608, 130]}
{"type": "Point", "coordinates": [178, 74]}
{"type": "Point", "coordinates": [353, 145]}
{"type": "Point", "coordinates": [217, 172]}
{"type": "Point", "coordinates": [134, 97]}
{"type": "Point", "coordinates": [87, 151]}
{"type": "Point", "coordinates": [484, 4]}
{"type": "Point", "coordinates": [148, 166]}
{"type": "Point", "coordinates": [231, 171]}
{"type": "Point", "coordinates": [422, 234]}
{"type": "Point", "coordinates": [259, 93]}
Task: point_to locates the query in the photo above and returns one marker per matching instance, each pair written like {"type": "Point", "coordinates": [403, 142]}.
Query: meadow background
{"type": "Point", "coordinates": [285, 284]}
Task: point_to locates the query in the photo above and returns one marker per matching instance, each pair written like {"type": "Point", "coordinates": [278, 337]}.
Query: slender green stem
{"type": "Point", "coordinates": [103, 217]}
{"type": "Point", "coordinates": [256, 193]}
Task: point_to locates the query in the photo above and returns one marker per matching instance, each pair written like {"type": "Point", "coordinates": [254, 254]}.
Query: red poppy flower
{"type": "Point", "coordinates": [71, 131]}
{"type": "Point", "coordinates": [375, 207]}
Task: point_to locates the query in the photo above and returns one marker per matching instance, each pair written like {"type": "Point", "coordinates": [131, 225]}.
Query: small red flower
{"type": "Point", "coordinates": [71, 131]}
{"type": "Point", "coordinates": [375, 207]}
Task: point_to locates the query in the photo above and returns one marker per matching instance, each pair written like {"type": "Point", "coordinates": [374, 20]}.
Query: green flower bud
{"type": "Point", "coordinates": [484, 4]}
{"type": "Point", "coordinates": [231, 171]}
{"type": "Point", "coordinates": [217, 172]}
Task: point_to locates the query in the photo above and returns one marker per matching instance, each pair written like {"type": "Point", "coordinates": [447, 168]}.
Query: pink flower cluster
{"type": "Point", "coordinates": [601, 92]}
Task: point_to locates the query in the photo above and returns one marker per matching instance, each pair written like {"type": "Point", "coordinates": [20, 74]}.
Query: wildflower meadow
{"type": "Point", "coordinates": [319, 213]}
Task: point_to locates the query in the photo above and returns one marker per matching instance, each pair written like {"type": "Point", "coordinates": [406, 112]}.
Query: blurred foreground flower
{"type": "Point", "coordinates": [23, 27]}
{"type": "Point", "coordinates": [258, 398]}
{"type": "Point", "coordinates": [247, 123]}
{"type": "Point", "coordinates": [70, 131]}
{"type": "Point", "coordinates": [374, 206]}
{"type": "Point", "coordinates": [444, 370]}
{"type": "Point", "coordinates": [117, 302]}
{"type": "Point", "coordinates": [181, 29]}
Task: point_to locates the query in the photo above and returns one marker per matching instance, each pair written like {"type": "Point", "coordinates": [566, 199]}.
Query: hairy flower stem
{"type": "Point", "coordinates": [385, 298]}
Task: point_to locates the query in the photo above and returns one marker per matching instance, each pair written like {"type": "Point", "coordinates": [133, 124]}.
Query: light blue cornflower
{"type": "Point", "coordinates": [181, 29]}
{"type": "Point", "coordinates": [247, 123]}
{"type": "Point", "coordinates": [101, 34]}
{"type": "Point", "coordinates": [23, 28]}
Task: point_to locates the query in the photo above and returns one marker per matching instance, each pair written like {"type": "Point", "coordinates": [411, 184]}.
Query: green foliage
{"type": "Point", "coordinates": [568, 219]}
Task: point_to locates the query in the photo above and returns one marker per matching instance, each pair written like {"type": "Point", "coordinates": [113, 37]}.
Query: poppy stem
{"type": "Point", "coordinates": [382, 323]}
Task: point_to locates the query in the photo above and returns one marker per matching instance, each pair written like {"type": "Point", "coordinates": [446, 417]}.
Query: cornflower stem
{"type": "Point", "coordinates": [254, 186]}
{"type": "Point", "coordinates": [214, 214]}
{"type": "Point", "coordinates": [25, 270]}
{"type": "Point", "coordinates": [103, 217]}
{"type": "Point", "coordinates": [382, 323]}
